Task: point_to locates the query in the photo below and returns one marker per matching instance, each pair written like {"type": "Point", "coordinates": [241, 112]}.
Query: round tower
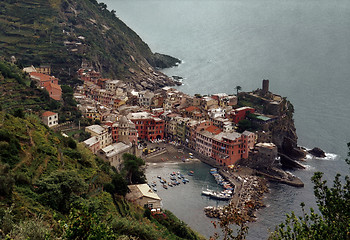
{"type": "Point", "coordinates": [123, 130]}
{"type": "Point", "coordinates": [265, 86]}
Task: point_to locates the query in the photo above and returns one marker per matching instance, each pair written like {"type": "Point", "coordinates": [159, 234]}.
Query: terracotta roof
{"type": "Point", "coordinates": [191, 108]}
{"type": "Point", "coordinates": [41, 77]}
{"type": "Point", "coordinates": [48, 113]}
{"type": "Point", "coordinates": [213, 129]}
{"type": "Point", "coordinates": [56, 86]}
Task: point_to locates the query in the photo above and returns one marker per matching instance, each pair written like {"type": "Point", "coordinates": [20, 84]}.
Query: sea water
{"type": "Point", "coordinates": [302, 47]}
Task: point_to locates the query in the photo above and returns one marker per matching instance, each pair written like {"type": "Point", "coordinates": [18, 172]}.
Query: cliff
{"type": "Point", "coordinates": [280, 129]}
{"type": "Point", "coordinates": [63, 33]}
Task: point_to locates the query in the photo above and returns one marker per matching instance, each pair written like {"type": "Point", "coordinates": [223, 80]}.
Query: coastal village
{"type": "Point", "coordinates": [215, 129]}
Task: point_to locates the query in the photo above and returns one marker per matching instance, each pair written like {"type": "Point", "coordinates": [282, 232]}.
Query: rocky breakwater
{"type": "Point", "coordinates": [247, 198]}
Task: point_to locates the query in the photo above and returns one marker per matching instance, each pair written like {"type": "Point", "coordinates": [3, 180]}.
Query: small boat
{"type": "Point", "coordinates": [207, 192]}
{"type": "Point", "coordinates": [190, 173]}
{"type": "Point", "coordinates": [220, 196]}
{"type": "Point", "coordinates": [175, 182]}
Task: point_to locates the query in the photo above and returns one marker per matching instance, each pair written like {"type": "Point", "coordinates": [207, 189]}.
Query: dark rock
{"type": "Point", "coordinates": [317, 152]}
{"type": "Point", "coordinates": [178, 78]}
{"type": "Point", "coordinates": [163, 61]}
{"type": "Point", "coordinates": [289, 162]}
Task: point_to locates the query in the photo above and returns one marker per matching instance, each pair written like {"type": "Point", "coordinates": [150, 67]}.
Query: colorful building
{"type": "Point", "coordinates": [148, 126]}
{"type": "Point", "coordinates": [204, 140]}
{"type": "Point", "coordinates": [50, 83]}
{"type": "Point", "coordinates": [239, 114]}
{"type": "Point", "coordinates": [228, 148]}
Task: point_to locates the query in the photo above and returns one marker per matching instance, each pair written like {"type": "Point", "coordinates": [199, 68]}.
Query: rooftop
{"type": "Point", "coordinates": [91, 141]}
{"type": "Point", "coordinates": [48, 113]}
{"type": "Point", "coordinates": [139, 115]}
{"type": "Point", "coordinates": [96, 129]}
{"type": "Point", "coordinates": [141, 190]}
{"type": "Point", "coordinates": [115, 148]}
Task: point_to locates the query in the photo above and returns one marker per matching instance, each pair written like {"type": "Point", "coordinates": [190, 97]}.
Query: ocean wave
{"type": "Point", "coordinates": [309, 156]}
{"type": "Point", "coordinates": [330, 156]}
{"type": "Point", "coordinates": [308, 167]}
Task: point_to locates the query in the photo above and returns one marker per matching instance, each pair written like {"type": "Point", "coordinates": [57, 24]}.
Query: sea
{"type": "Point", "coordinates": [302, 47]}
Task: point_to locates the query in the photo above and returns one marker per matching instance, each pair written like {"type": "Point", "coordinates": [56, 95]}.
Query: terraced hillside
{"type": "Point", "coordinates": [63, 33]}
{"type": "Point", "coordinates": [51, 187]}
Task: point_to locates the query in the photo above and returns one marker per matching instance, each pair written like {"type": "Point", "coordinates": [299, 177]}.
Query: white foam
{"type": "Point", "coordinates": [309, 156]}
{"type": "Point", "coordinates": [330, 156]}
{"type": "Point", "coordinates": [308, 167]}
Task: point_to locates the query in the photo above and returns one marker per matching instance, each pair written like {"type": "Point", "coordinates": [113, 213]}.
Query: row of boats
{"type": "Point", "coordinates": [175, 179]}
{"type": "Point", "coordinates": [224, 195]}
{"type": "Point", "coordinates": [220, 180]}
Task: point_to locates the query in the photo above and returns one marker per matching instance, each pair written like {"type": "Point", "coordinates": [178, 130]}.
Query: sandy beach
{"type": "Point", "coordinates": [167, 153]}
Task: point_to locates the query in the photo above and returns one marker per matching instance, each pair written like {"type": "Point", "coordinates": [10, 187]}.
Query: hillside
{"type": "Point", "coordinates": [63, 33]}
{"type": "Point", "coordinates": [18, 94]}
{"type": "Point", "coordinates": [51, 186]}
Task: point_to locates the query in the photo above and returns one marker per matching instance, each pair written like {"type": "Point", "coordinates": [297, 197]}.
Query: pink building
{"type": "Point", "coordinates": [204, 140]}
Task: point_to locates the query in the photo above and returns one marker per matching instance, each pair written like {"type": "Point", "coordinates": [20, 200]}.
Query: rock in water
{"type": "Point", "coordinates": [317, 152]}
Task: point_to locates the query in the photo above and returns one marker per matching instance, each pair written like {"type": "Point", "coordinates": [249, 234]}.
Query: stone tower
{"type": "Point", "coordinates": [123, 130]}
{"type": "Point", "coordinates": [265, 87]}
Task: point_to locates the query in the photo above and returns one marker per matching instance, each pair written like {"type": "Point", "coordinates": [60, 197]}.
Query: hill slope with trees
{"type": "Point", "coordinates": [63, 33]}
{"type": "Point", "coordinates": [50, 186]}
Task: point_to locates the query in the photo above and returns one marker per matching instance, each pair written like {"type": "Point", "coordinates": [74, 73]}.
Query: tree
{"type": "Point", "coordinates": [82, 224]}
{"type": "Point", "coordinates": [333, 219]}
{"type": "Point", "coordinates": [243, 125]}
{"type": "Point", "coordinates": [232, 215]}
{"type": "Point", "coordinates": [118, 185]}
{"type": "Point", "coordinates": [238, 88]}
{"type": "Point", "coordinates": [132, 169]}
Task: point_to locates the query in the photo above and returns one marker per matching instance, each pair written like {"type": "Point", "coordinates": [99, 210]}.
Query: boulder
{"type": "Point", "coordinates": [317, 152]}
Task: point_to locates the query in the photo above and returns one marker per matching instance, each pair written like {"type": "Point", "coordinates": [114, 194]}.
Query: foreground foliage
{"type": "Point", "coordinates": [333, 219]}
{"type": "Point", "coordinates": [51, 187]}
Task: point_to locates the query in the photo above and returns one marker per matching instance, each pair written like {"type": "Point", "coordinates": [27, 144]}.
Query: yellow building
{"type": "Point", "coordinates": [143, 195]}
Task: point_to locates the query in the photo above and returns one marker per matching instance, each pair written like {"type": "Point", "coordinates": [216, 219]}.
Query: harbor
{"type": "Point", "coordinates": [236, 186]}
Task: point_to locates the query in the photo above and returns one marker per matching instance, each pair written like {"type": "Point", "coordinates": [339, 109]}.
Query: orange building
{"type": "Point", "coordinates": [228, 148]}
{"type": "Point", "coordinates": [50, 83]}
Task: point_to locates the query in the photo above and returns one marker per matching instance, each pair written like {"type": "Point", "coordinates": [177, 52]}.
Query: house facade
{"type": "Point", "coordinates": [103, 133]}
{"type": "Point", "coordinates": [147, 126]}
{"type": "Point", "coordinates": [143, 195]}
{"type": "Point", "coordinates": [50, 118]}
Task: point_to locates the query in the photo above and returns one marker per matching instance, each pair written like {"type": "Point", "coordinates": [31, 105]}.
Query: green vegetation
{"type": "Point", "coordinates": [51, 187]}
{"type": "Point", "coordinates": [132, 169]}
{"type": "Point", "coordinates": [331, 221]}
{"type": "Point", "coordinates": [20, 96]}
